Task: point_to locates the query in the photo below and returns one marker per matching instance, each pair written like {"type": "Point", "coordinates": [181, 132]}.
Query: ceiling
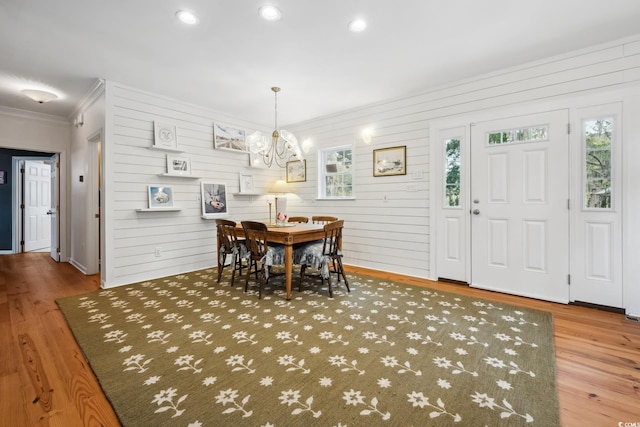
{"type": "Point", "coordinates": [229, 61]}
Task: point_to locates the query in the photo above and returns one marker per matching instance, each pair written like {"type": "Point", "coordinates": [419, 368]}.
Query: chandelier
{"type": "Point", "coordinates": [281, 148]}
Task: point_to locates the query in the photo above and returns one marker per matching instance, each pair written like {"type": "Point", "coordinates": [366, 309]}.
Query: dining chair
{"type": "Point", "coordinates": [324, 255]}
{"type": "Point", "coordinates": [300, 219]}
{"type": "Point", "coordinates": [262, 255]}
{"type": "Point", "coordinates": [323, 219]}
{"type": "Point", "coordinates": [230, 245]}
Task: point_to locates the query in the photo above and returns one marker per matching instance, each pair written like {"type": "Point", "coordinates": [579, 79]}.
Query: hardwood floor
{"type": "Point", "coordinates": [45, 380]}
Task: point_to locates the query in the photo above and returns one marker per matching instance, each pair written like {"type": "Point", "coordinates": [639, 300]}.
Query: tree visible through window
{"type": "Point", "coordinates": [452, 172]}
{"type": "Point", "coordinates": [336, 170]}
{"type": "Point", "coordinates": [597, 140]}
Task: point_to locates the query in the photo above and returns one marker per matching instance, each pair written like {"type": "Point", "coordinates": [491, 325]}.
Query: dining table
{"type": "Point", "coordinates": [287, 234]}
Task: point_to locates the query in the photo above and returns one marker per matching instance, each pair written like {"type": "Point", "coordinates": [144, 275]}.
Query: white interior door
{"type": "Point", "coordinates": [520, 216]}
{"type": "Point", "coordinates": [37, 203]}
{"type": "Point", "coordinates": [54, 208]}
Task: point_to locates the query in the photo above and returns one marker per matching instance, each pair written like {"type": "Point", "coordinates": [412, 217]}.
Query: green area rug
{"type": "Point", "coordinates": [187, 351]}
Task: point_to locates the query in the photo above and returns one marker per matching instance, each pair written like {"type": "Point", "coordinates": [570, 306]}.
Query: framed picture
{"type": "Point", "coordinates": [178, 165]}
{"type": "Point", "coordinates": [164, 136]}
{"type": "Point", "coordinates": [229, 138]}
{"type": "Point", "coordinates": [297, 171]}
{"type": "Point", "coordinates": [246, 183]}
{"type": "Point", "coordinates": [390, 161]}
{"type": "Point", "coordinates": [160, 196]}
{"type": "Point", "coordinates": [3, 177]}
{"type": "Point", "coordinates": [214, 199]}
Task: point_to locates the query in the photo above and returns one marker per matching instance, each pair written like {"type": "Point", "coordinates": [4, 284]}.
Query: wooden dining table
{"type": "Point", "coordinates": [287, 235]}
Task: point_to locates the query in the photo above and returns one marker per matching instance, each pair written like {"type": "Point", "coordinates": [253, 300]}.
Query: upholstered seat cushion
{"type": "Point", "coordinates": [310, 254]}
{"type": "Point", "coordinates": [274, 256]}
{"type": "Point", "coordinates": [241, 247]}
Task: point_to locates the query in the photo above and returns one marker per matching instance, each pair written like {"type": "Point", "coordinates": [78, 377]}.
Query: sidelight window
{"type": "Point", "coordinates": [452, 172]}
{"type": "Point", "coordinates": [597, 138]}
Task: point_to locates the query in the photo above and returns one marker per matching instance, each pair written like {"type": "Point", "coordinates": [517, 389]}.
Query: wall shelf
{"type": "Point", "coordinates": [158, 210]}
{"type": "Point", "coordinates": [170, 150]}
{"type": "Point", "coordinates": [247, 194]}
{"type": "Point", "coordinates": [178, 176]}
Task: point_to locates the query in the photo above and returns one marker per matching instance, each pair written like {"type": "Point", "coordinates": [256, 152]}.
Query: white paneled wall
{"type": "Point", "coordinates": [387, 224]}
{"type": "Point", "coordinates": [394, 234]}
{"type": "Point", "coordinates": [185, 241]}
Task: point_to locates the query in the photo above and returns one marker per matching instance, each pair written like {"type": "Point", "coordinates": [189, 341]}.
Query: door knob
{"type": "Point", "coordinates": [476, 211]}
{"type": "Point", "coordinates": [49, 212]}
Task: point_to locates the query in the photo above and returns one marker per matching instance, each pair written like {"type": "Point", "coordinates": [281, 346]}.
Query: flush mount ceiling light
{"type": "Point", "coordinates": [283, 146]}
{"type": "Point", "coordinates": [40, 96]}
{"type": "Point", "coordinates": [187, 17]}
{"type": "Point", "coordinates": [357, 25]}
{"type": "Point", "coordinates": [270, 13]}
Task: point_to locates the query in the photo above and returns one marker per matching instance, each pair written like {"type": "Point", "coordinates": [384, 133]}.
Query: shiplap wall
{"type": "Point", "coordinates": [185, 240]}
{"type": "Point", "coordinates": [386, 224]}
{"type": "Point", "coordinates": [394, 234]}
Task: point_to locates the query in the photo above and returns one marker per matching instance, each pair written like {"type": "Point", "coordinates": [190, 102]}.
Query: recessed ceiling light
{"type": "Point", "coordinates": [40, 96]}
{"type": "Point", "coordinates": [187, 17]}
{"type": "Point", "coordinates": [357, 25]}
{"type": "Point", "coordinates": [270, 13]}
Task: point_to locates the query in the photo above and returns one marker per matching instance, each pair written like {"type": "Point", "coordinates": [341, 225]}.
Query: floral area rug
{"type": "Point", "coordinates": [188, 351]}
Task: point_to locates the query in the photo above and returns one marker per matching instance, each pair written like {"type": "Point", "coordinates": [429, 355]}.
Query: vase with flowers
{"type": "Point", "coordinates": [281, 218]}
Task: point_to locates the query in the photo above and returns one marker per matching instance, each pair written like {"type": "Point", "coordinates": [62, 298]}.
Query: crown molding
{"type": "Point", "coordinates": [30, 115]}
{"type": "Point", "coordinates": [92, 95]}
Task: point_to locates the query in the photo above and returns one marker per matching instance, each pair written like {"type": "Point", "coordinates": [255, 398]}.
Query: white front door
{"type": "Point", "coordinates": [519, 205]}
{"type": "Point", "coordinates": [37, 203]}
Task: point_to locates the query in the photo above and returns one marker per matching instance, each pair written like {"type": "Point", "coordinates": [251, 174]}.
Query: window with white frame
{"type": "Point", "coordinates": [335, 173]}
{"type": "Point", "coordinates": [597, 142]}
{"type": "Point", "coordinates": [452, 173]}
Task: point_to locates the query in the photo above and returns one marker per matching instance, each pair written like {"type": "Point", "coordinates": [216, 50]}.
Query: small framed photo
{"type": "Point", "coordinates": [390, 161]}
{"type": "Point", "coordinates": [3, 177]}
{"type": "Point", "coordinates": [246, 183]}
{"type": "Point", "coordinates": [164, 136]}
{"type": "Point", "coordinates": [229, 138]}
{"type": "Point", "coordinates": [297, 171]}
{"type": "Point", "coordinates": [178, 165]}
{"type": "Point", "coordinates": [214, 199]}
{"type": "Point", "coordinates": [160, 196]}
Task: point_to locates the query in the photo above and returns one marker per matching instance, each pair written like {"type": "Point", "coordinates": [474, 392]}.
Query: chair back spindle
{"type": "Point", "coordinates": [323, 219]}
{"type": "Point", "coordinates": [299, 219]}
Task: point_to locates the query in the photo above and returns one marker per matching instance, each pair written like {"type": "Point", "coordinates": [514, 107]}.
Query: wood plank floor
{"type": "Point", "coordinates": [45, 380]}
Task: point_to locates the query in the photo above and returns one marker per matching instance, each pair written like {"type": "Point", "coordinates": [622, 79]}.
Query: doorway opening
{"type": "Point", "coordinates": [35, 202]}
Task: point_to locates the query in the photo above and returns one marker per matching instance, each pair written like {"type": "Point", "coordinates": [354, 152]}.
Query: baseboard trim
{"type": "Point", "coordinates": [77, 265]}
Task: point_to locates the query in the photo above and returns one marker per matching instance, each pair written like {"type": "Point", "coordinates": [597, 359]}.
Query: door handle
{"type": "Point", "coordinates": [476, 211]}
{"type": "Point", "coordinates": [49, 212]}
